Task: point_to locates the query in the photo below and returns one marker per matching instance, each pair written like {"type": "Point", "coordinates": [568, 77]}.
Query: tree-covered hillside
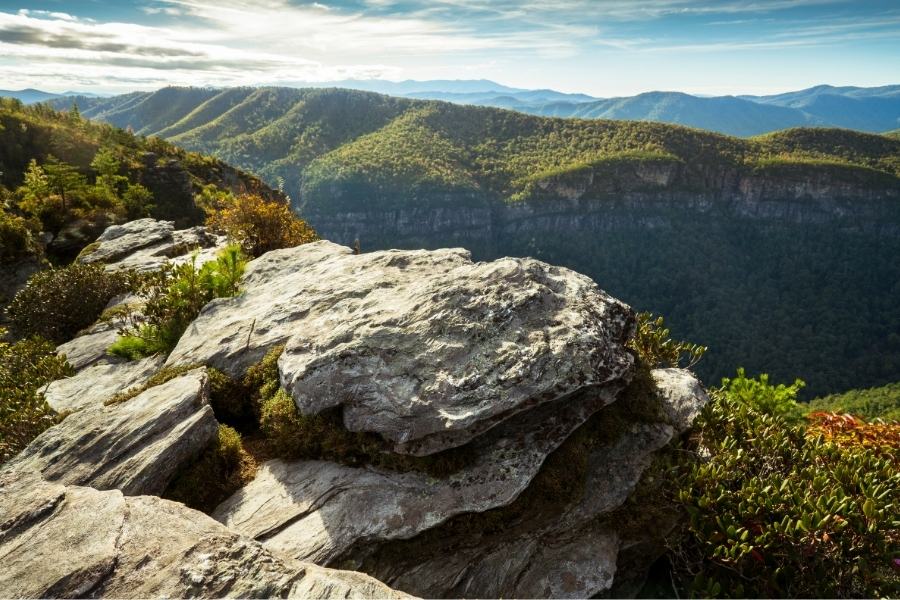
{"type": "Point", "coordinates": [873, 403]}
{"type": "Point", "coordinates": [306, 136]}
{"type": "Point", "coordinates": [778, 252]}
{"type": "Point", "coordinates": [64, 179]}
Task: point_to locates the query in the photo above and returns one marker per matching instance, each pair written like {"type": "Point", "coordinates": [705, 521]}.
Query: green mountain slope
{"type": "Point", "coordinates": [171, 174]}
{"type": "Point", "coordinates": [778, 251]}
{"type": "Point", "coordinates": [882, 402]}
{"type": "Point", "coordinates": [280, 132]}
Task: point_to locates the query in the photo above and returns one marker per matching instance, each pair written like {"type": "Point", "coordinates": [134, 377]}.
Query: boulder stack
{"type": "Point", "coordinates": [513, 372]}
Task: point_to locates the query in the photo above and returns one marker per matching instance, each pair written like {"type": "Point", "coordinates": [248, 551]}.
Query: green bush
{"type": "Point", "coordinates": [221, 469]}
{"type": "Point", "coordinates": [776, 511]}
{"type": "Point", "coordinates": [654, 347]}
{"type": "Point", "coordinates": [57, 303]}
{"type": "Point", "coordinates": [873, 403]}
{"type": "Point", "coordinates": [25, 367]}
{"type": "Point", "coordinates": [173, 298]}
{"type": "Point", "coordinates": [18, 237]}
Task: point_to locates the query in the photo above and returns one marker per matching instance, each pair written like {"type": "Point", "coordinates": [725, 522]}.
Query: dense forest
{"type": "Point", "coordinates": [312, 137]}
{"type": "Point", "coordinates": [778, 252]}
{"type": "Point", "coordinates": [873, 403]}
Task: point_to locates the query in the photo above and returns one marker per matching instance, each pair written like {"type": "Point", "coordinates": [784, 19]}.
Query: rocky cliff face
{"type": "Point", "coordinates": [513, 374]}
{"type": "Point", "coordinates": [651, 194]}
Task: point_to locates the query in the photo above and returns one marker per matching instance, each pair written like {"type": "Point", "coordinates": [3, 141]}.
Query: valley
{"type": "Point", "coordinates": [778, 252]}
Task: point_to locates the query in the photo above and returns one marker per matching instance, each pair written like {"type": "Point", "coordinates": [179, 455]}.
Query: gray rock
{"type": "Point", "coordinates": [93, 385]}
{"type": "Point", "coordinates": [318, 510]}
{"type": "Point", "coordinates": [135, 446]}
{"type": "Point", "coordinates": [90, 347]}
{"type": "Point", "coordinates": [684, 396]}
{"type": "Point", "coordinates": [58, 541]}
{"type": "Point", "coordinates": [147, 245]}
{"type": "Point", "coordinates": [183, 246]}
{"type": "Point", "coordinates": [119, 241]}
{"type": "Point", "coordinates": [424, 348]}
{"type": "Point", "coordinates": [573, 552]}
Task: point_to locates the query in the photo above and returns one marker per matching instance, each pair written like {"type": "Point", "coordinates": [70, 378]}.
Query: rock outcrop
{"type": "Point", "coordinates": [513, 375]}
{"type": "Point", "coordinates": [148, 244]}
{"type": "Point", "coordinates": [68, 541]}
{"type": "Point", "coordinates": [134, 446]}
{"type": "Point", "coordinates": [427, 349]}
{"type": "Point", "coordinates": [94, 385]}
{"type": "Point", "coordinates": [482, 534]}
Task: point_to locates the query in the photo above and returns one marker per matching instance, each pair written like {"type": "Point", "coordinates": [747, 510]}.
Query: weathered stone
{"type": "Point", "coordinates": [572, 552]}
{"type": "Point", "coordinates": [183, 246]}
{"type": "Point", "coordinates": [135, 446]}
{"type": "Point", "coordinates": [90, 347]}
{"type": "Point", "coordinates": [424, 348]}
{"type": "Point", "coordinates": [58, 541]}
{"type": "Point", "coordinates": [684, 396]}
{"type": "Point", "coordinates": [93, 385]}
{"type": "Point", "coordinates": [119, 241]}
{"type": "Point", "coordinates": [317, 510]}
{"type": "Point", "coordinates": [147, 245]}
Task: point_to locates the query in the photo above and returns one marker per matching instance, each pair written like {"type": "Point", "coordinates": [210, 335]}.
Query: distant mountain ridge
{"type": "Point", "coordinates": [873, 110]}
{"type": "Point", "coordinates": [697, 226]}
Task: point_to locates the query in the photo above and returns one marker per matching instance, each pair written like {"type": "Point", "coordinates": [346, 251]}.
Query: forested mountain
{"type": "Point", "coordinates": [873, 403]}
{"type": "Point", "coordinates": [779, 252]}
{"type": "Point", "coordinates": [865, 109]}
{"type": "Point", "coordinates": [64, 179]}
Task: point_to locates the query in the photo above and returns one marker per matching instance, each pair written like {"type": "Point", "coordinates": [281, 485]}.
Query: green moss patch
{"type": "Point", "coordinates": [165, 375]}
{"type": "Point", "coordinates": [222, 468]}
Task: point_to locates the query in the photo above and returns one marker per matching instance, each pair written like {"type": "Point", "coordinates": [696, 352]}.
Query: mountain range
{"type": "Point", "coordinates": [759, 248]}
{"type": "Point", "coordinates": [873, 110]}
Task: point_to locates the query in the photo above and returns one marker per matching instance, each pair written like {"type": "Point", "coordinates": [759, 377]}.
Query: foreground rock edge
{"type": "Point", "coordinates": [71, 541]}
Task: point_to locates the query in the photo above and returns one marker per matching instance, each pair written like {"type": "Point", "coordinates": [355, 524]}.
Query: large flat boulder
{"type": "Point", "coordinates": [425, 348]}
{"type": "Point", "coordinates": [134, 446]}
{"type": "Point", "coordinates": [118, 241]}
{"type": "Point", "coordinates": [90, 346]}
{"type": "Point", "coordinates": [61, 541]}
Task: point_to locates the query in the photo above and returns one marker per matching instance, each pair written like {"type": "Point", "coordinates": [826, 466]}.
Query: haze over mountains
{"type": "Point", "coordinates": [873, 110]}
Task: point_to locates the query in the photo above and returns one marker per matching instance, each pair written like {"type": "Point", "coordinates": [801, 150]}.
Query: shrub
{"type": "Point", "coordinates": [18, 237]}
{"type": "Point", "coordinates": [257, 224]}
{"type": "Point", "coordinates": [221, 469]}
{"type": "Point", "coordinates": [848, 431]}
{"type": "Point", "coordinates": [654, 347]}
{"type": "Point", "coordinates": [779, 400]}
{"type": "Point", "coordinates": [173, 298]}
{"type": "Point", "coordinates": [25, 367]}
{"type": "Point", "coordinates": [776, 510]}
{"type": "Point", "coordinates": [873, 403]}
{"type": "Point", "coordinates": [137, 201]}
{"type": "Point", "coordinates": [57, 303]}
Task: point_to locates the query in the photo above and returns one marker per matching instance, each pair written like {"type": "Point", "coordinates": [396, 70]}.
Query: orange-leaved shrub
{"type": "Point", "coordinates": [257, 224]}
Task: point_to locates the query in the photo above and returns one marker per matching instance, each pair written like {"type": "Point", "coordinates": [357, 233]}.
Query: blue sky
{"type": "Point", "coordinates": [600, 47]}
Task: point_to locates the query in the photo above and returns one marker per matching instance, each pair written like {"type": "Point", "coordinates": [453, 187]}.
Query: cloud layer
{"type": "Point", "coordinates": [228, 42]}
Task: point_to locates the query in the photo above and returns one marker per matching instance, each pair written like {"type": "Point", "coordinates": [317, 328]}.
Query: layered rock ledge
{"type": "Point", "coordinates": [61, 541]}
{"type": "Point", "coordinates": [515, 371]}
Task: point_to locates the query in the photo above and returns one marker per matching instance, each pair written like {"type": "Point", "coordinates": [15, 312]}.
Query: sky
{"type": "Point", "coordinates": [605, 48]}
